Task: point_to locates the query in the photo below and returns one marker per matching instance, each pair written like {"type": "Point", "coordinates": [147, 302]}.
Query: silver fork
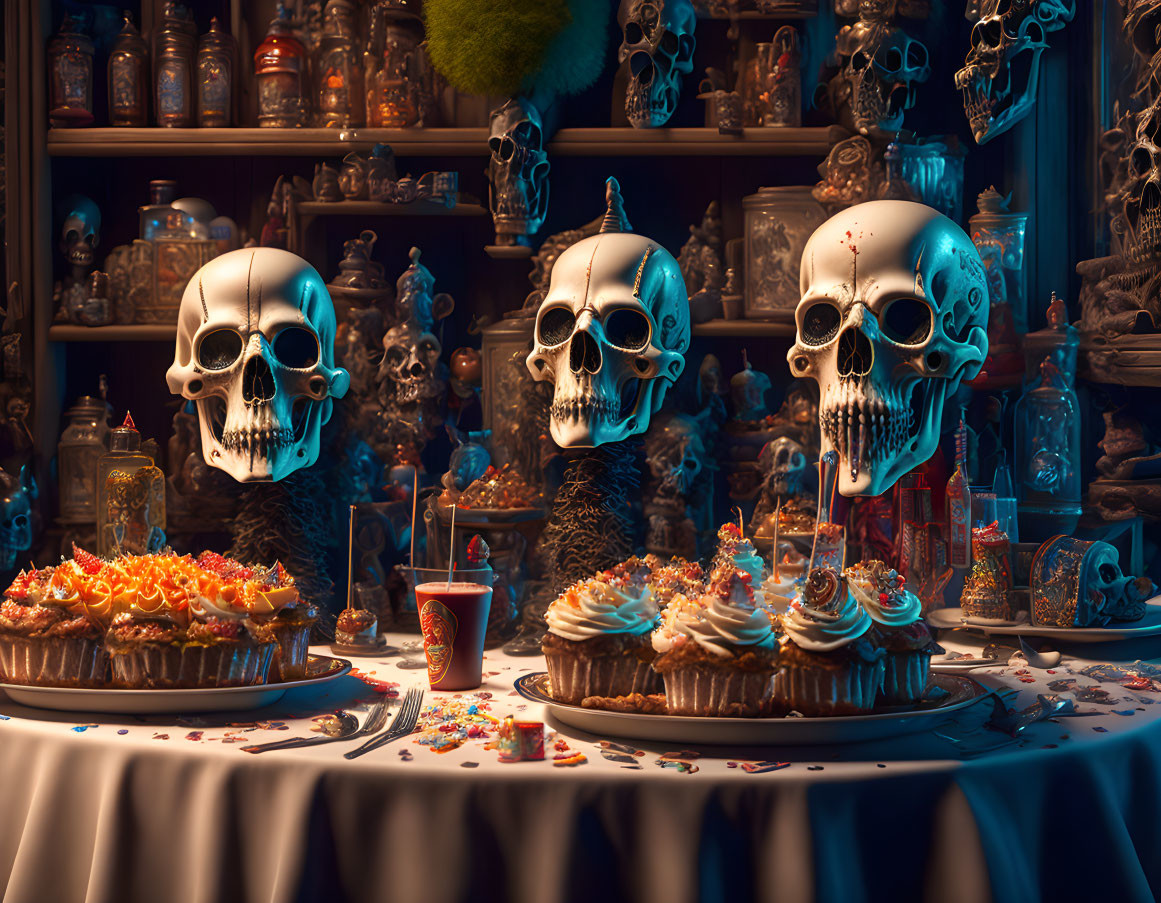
{"type": "Point", "coordinates": [403, 724]}
{"type": "Point", "coordinates": [375, 721]}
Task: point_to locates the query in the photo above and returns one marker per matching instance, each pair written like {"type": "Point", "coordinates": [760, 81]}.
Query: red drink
{"type": "Point", "coordinates": [453, 617]}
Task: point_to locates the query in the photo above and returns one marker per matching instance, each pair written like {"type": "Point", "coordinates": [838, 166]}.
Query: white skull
{"type": "Point", "coordinates": [255, 350]}
{"type": "Point", "coordinates": [658, 42]}
{"type": "Point", "coordinates": [611, 334]}
{"type": "Point", "coordinates": [893, 317]}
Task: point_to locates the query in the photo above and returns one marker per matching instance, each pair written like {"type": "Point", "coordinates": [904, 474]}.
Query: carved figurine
{"type": "Point", "coordinates": [701, 265]}
{"type": "Point", "coordinates": [80, 234]}
{"type": "Point", "coordinates": [678, 491]}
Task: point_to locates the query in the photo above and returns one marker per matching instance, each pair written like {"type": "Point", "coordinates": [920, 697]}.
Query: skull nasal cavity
{"type": "Point", "coordinates": [855, 354]}
{"type": "Point", "coordinates": [583, 353]}
{"type": "Point", "coordinates": [257, 381]}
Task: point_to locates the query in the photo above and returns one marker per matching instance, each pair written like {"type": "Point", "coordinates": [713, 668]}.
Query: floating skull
{"type": "Point", "coordinates": [893, 317]}
{"type": "Point", "coordinates": [883, 68]}
{"type": "Point", "coordinates": [255, 350]}
{"type": "Point", "coordinates": [657, 40]}
{"type": "Point", "coordinates": [1001, 72]}
{"type": "Point", "coordinates": [517, 171]}
{"type": "Point", "coordinates": [611, 333]}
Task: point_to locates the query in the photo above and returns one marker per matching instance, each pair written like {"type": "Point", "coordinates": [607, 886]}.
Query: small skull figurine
{"type": "Point", "coordinates": [255, 350]}
{"type": "Point", "coordinates": [15, 516]}
{"type": "Point", "coordinates": [893, 317]}
{"type": "Point", "coordinates": [883, 68]}
{"type": "Point", "coordinates": [658, 43]}
{"type": "Point", "coordinates": [784, 461]}
{"type": "Point", "coordinates": [676, 454]}
{"type": "Point", "coordinates": [611, 334]}
{"type": "Point", "coordinates": [80, 233]}
{"type": "Point", "coordinates": [517, 172]}
{"type": "Point", "coordinates": [1001, 72]}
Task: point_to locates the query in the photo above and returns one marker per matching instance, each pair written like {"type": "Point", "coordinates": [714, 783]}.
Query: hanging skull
{"type": "Point", "coordinates": [882, 71]}
{"type": "Point", "coordinates": [517, 171]}
{"type": "Point", "coordinates": [1142, 204]}
{"type": "Point", "coordinates": [81, 231]}
{"type": "Point", "coordinates": [611, 333]}
{"type": "Point", "coordinates": [1001, 72]}
{"type": "Point", "coordinates": [658, 43]}
{"type": "Point", "coordinates": [893, 317]}
{"type": "Point", "coordinates": [255, 350]}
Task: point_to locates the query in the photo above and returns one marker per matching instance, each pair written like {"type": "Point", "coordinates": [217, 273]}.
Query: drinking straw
{"type": "Point", "coordinates": [451, 552]}
{"type": "Point", "coordinates": [351, 558]}
{"type": "Point", "coordinates": [414, 502]}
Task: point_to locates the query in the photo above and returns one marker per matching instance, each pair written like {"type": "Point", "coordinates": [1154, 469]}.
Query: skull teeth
{"type": "Point", "coordinates": [864, 429]}
{"type": "Point", "coordinates": [586, 409]}
{"type": "Point", "coordinates": [259, 441]}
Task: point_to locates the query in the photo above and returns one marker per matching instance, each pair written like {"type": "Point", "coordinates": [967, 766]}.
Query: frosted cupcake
{"type": "Point", "coordinates": [830, 666]}
{"type": "Point", "coordinates": [735, 550]}
{"type": "Point", "coordinates": [717, 653]}
{"type": "Point", "coordinates": [597, 642]}
{"type": "Point", "coordinates": [898, 629]}
{"type": "Point", "coordinates": [780, 591]}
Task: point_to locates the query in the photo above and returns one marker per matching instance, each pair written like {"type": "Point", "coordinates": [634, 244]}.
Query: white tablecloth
{"type": "Point", "coordinates": [161, 808]}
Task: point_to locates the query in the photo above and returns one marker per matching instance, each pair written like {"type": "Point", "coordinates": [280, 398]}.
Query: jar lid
{"type": "Point", "coordinates": [217, 38]}
{"type": "Point", "coordinates": [129, 38]}
{"type": "Point", "coordinates": [125, 437]}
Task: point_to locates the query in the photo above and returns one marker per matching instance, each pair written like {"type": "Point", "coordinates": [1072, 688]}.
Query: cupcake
{"type": "Point", "coordinates": [717, 652]}
{"type": "Point", "coordinates": [898, 629]}
{"type": "Point", "coordinates": [829, 664]}
{"type": "Point", "coordinates": [47, 637]}
{"type": "Point", "coordinates": [597, 642]}
{"type": "Point", "coordinates": [357, 627]}
{"type": "Point", "coordinates": [737, 551]}
{"type": "Point", "coordinates": [779, 591]}
{"type": "Point", "coordinates": [669, 578]}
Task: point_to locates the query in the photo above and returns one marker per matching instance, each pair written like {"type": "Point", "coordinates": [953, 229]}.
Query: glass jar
{"type": "Point", "coordinates": [130, 497]}
{"type": "Point", "coordinates": [280, 70]}
{"type": "Point", "coordinates": [81, 445]}
{"type": "Point", "coordinates": [778, 223]}
{"type": "Point", "coordinates": [999, 237]}
{"type": "Point", "coordinates": [129, 78]}
{"type": "Point", "coordinates": [70, 76]}
{"type": "Point", "coordinates": [215, 77]}
{"type": "Point", "coordinates": [152, 217]}
{"type": "Point", "coordinates": [340, 98]}
{"type": "Point", "coordinates": [780, 96]}
{"type": "Point", "coordinates": [173, 54]}
{"type": "Point", "coordinates": [397, 73]}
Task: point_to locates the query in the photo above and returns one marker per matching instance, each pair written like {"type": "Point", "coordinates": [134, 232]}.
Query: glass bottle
{"type": "Point", "coordinates": [173, 55]}
{"type": "Point", "coordinates": [959, 505]}
{"type": "Point", "coordinates": [280, 70]}
{"type": "Point", "coordinates": [130, 497]}
{"type": "Point", "coordinates": [82, 443]}
{"type": "Point", "coordinates": [70, 76]}
{"type": "Point", "coordinates": [339, 95]}
{"type": "Point", "coordinates": [152, 217]}
{"type": "Point", "coordinates": [396, 70]}
{"type": "Point", "coordinates": [215, 77]}
{"type": "Point", "coordinates": [894, 187]}
{"type": "Point", "coordinates": [129, 78]}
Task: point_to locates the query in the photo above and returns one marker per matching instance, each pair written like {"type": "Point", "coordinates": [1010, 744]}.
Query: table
{"type": "Point", "coordinates": [124, 809]}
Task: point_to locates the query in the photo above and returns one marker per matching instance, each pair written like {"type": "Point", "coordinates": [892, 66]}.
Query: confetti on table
{"type": "Point", "coordinates": [405, 755]}
{"type": "Point", "coordinates": [272, 725]}
{"type": "Point", "coordinates": [682, 761]}
{"type": "Point", "coordinates": [81, 728]}
{"type": "Point", "coordinates": [194, 735]}
{"type": "Point", "coordinates": [161, 736]}
{"type": "Point", "coordinates": [388, 688]}
{"type": "Point", "coordinates": [814, 768]}
{"type": "Point", "coordinates": [123, 731]}
{"type": "Point", "coordinates": [570, 758]}
{"type": "Point", "coordinates": [448, 723]}
{"type": "Point", "coordinates": [5, 718]}
{"type": "Point", "coordinates": [1124, 711]}
{"type": "Point", "coordinates": [621, 754]}
{"type": "Point", "coordinates": [758, 767]}
{"type": "Point", "coordinates": [1094, 694]}
{"type": "Point", "coordinates": [1101, 730]}
{"type": "Point", "coordinates": [469, 764]}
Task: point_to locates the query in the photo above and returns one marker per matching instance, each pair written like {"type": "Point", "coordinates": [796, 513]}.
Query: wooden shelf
{"type": "Point", "coordinates": [743, 329]}
{"type": "Point", "coordinates": [159, 332]}
{"type": "Point", "coordinates": [1127, 360]}
{"type": "Point", "coordinates": [377, 208]}
{"type": "Point", "coordinates": [597, 142]}
{"type": "Point", "coordinates": [752, 15]}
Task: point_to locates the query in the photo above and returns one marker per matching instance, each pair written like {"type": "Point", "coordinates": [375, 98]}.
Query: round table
{"type": "Point", "coordinates": [123, 808]}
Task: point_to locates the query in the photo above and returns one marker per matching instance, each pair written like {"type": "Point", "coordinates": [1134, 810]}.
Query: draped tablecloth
{"type": "Point", "coordinates": [121, 808]}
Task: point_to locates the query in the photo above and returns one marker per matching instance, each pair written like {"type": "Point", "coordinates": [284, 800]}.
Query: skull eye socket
{"type": "Point", "coordinates": [556, 325]}
{"type": "Point", "coordinates": [296, 348]}
{"type": "Point", "coordinates": [668, 43]}
{"type": "Point", "coordinates": [219, 349]}
{"type": "Point", "coordinates": [633, 33]}
{"type": "Point", "coordinates": [628, 328]}
{"type": "Point", "coordinates": [820, 323]}
{"type": "Point", "coordinates": [906, 321]}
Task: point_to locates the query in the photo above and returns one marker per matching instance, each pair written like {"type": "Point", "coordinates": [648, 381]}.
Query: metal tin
{"type": "Point", "coordinates": [173, 56]}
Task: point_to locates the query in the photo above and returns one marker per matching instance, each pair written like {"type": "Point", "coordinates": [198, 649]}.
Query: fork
{"type": "Point", "coordinates": [403, 724]}
{"type": "Point", "coordinates": [375, 721]}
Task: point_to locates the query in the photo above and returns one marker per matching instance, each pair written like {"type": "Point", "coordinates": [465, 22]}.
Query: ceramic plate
{"type": "Point", "coordinates": [1149, 625]}
{"type": "Point", "coordinates": [889, 722]}
{"type": "Point", "coordinates": [321, 669]}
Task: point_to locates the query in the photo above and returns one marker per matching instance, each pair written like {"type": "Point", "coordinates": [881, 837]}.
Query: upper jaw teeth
{"type": "Point", "coordinates": [581, 408]}
{"type": "Point", "coordinates": [863, 428]}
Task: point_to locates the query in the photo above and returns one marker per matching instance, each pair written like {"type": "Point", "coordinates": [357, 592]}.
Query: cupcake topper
{"type": "Point", "coordinates": [351, 558]}
{"type": "Point", "coordinates": [774, 556]}
{"type": "Point", "coordinates": [828, 460]}
{"type": "Point", "coordinates": [414, 501]}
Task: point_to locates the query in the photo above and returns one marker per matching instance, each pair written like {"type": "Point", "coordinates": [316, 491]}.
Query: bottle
{"type": "Point", "coordinates": [70, 76]}
{"type": "Point", "coordinates": [894, 186]}
{"type": "Point", "coordinates": [173, 56]}
{"type": "Point", "coordinates": [154, 217]}
{"type": "Point", "coordinates": [339, 96]}
{"type": "Point", "coordinates": [280, 70]}
{"type": "Point", "coordinates": [129, 78]}
{"type": "Point", "coordinates": [130, 497]}
{"type": "Point", "coordinates": [81, 445]}
{"type": "Point", "coordinates": [959, 505]}
{"type": "Point", "coordinates": [215, 77]}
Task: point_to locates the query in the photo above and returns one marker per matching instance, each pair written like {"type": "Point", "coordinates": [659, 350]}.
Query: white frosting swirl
{"type": "Point", "coordinates": [836, 622]}
{"type": "Point", "coordinates": [595, 608]}
{"type": "Point", "coordinates": [718, 623]}
{"type": "Point", "coordinates": [901, 608]}
{"type": "Point", "coordinates": [781, 592]}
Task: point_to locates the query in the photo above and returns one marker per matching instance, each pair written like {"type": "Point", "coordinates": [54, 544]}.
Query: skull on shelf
{"type": "Point", "coordinates": [80, 233]}
{"type": "Point", "coordinates": [893, 317]}
{"type": "Point", "coordinates": [517, 170]}
{"type": "Point", "coordinates": [784, 461]}
{"type": "Point", "coordinates": [15, 516]}
{"type": "Point", "coordinates": [675, 453]}
{"type": "Point", "coordinates": [1142, 204]}
{"type": "Point", "coordinates": [410, 369]}
{"type": "Point", "coordinates": [611, 333]}
{"type": "Point", "coordinates": [1002, 69]}
{"type": "Point", "coordinates": [255, 351]}
{"type": "Point", "coordinates": [881, 75]}
{"type": "Point", "coordinates": [658, 42]}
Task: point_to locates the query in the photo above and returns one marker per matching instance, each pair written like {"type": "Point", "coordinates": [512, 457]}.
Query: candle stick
{"type": "Point", "coordinates": [774, 557]}
{"type": "Point", "coordinates": [351, 559]}
{"type": "Point", "coordinates": [828, 459]}
{"type": "Point", "coordinates": [414, 502]}
{"type": "Point", "coordinates": [451, 554]}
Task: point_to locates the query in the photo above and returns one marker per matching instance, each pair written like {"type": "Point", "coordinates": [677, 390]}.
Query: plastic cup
{"type": "Point", "coordinates": [453, 617]}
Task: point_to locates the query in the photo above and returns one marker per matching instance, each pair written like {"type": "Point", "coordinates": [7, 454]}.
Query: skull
{"type": "Point", "coordinates": [1001, 71]}
{"type": "Point", "coordinates": [411, 366]}
{"type": "Point", "coordinates": [785, 463]}
{"type": "Point", "coordinates": [81, 231]}
{"type": "Point", "coordinates": [1142, 209]}
{"type": "Point", "coordinates": [893, 317]}
{"type": "Point", "coordinates": [658, 43]}
{"type": "Point", "coordinates": [517, 170]}
{"type": "Point", "coordinates": [882, 72]}
{"type": "Point", "coordinates": [675, 453]}
{"type": "Point", "coordinates": [255, 350]}
{"type": "Point", "coordinates": [15, 516]}
{"type": "Point", "coordinates": [611, 334]}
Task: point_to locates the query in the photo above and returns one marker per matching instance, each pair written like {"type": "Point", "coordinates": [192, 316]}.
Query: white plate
{"type": "Point", "coordinates": [962, 691]}
{"type": "Point", "coordinates": [1149, 625]}
{"type": "Point", "coordinates": [322, 668]}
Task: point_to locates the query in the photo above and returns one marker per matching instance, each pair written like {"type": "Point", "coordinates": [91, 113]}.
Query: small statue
{"type": "Point", "coordinates": [675, 495]}
{"type": "Point", "coordinates": [79, 236]}
{"type": "Point", "coordinates": [701, 265]}
{"type": "Point", "coordinates": [748, 390]}
{"type": "Point", "coordinates": [325, 186]}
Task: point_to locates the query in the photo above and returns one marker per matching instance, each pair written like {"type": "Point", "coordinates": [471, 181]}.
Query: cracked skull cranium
{"type": "Point", "coordinates": [881, 74]}
{"type": "Point", "coordinates": [893, 317]}
{"type": "Point", "coordinates": [255, 351]}
{"type": "Point", "coordinates": [657, 40]}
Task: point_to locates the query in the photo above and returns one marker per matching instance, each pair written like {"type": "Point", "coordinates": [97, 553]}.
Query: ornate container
{"type": "Point", "coordinates": [215, 77]}
{"type": "Point", "coordinates": [780, 96]}
{"type": "Point", "coordinates": [999, 237]}
{"type": "Point", "coordinates": [934, 170]}
{"type": "Point", "coordinates": [778, 222]}
{"type": "Point", "coordinates": [280, 64]}
{"type": "Point", "coordinates": [173, 65]}
{"type": "Point", "coordinates": [340, 99]}
{"type": "Point", "coordinates": [130, 497]}
{"type": "Point", "coordinates": [81, 445]}
{"type": "Point", "coordinates": [129, 78]}
{"type": "Point", "coordinates": [70, 76]}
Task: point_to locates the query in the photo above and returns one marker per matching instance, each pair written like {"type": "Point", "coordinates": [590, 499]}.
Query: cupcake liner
{"type": "Point", "coordinates": [828, 690]}
{"type": "Point", "coordinates": [171, 667]}
{"type": "Point", "coordinates": [53, 661]}
{"type": "Point", "coordinates": [290, 662]}
{"type": "Point", "coordinates": [573, 677]}
{"type": "Point", "coordinates": [904, 677]}
{"type": "Point", "coordinates": [707, 690]}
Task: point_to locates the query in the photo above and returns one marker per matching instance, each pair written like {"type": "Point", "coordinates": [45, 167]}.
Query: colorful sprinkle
{"type": "Point", "coordinates": [194, 735]}
{"type": "Point", "coordinates": [1101, 730]}
{"type": "Point", "coordinates": [570, 759]}
{"type": "Point", "coordinates": [405, 755]}
{"type": "Point", "coordinates": [161, 736]}
{"type": "Point", "coordinates": [469, 764]}
{"type": "Point", "coordinates": [81, 728]}
{"type": "Point", "coordinates": [763, 767]}
{"type": "Point", "coordinates": [123, 731]}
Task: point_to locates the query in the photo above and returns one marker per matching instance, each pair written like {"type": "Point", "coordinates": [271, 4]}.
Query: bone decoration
{"type": "Point", "coordinates": [255, 352]}
{"type": "Point", "coordinates": [893, 318]}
